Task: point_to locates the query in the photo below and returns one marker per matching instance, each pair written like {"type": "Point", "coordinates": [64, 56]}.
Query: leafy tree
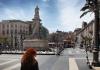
{"type": "Point", "coordinates": [88, 7]}
{"type": "Point", "coordinates": [92, 6]}
{"type": "Point", "coordinates": [87, 40]}
{"type": "Point", "coordinates": [5, 41]}
{"type": "Point", "coordinates": [44, 32]}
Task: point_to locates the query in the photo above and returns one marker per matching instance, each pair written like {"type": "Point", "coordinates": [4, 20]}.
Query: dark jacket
{"type": "Point", "coordinates": [29, 66]}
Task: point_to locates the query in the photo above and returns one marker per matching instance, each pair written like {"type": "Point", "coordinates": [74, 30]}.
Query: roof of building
{"type": "Point", "coordinates": [13, 21]}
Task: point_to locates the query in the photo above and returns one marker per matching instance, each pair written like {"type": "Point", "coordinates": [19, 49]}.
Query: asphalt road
{"type": "Point", "coordinates": [69, 59]}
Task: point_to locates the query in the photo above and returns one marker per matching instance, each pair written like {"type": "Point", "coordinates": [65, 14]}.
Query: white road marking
{"type": "Point", "coordinates": [72, 64]}
{"type": "Point", "coordinates": [13, 66]}
{"type": "Point", "coordinates": [83, 58]}
{"type": "Point", "coordinates": [77, 51]}
{"type": "Point", "coordinates": [8, 62]}
{"type": "Point", "coordinates": [70, 52]}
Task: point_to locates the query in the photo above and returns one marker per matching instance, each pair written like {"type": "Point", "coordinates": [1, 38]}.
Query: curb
{"type": "Point", "coordinates": [96, 68]}
{"type": "Point", "coordinates": [23, 53]}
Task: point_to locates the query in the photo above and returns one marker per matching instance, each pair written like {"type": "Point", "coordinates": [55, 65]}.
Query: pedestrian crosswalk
{"type": "Point", "coordinates": [46, 62]}
{"type": "Point", "coordinates": [72, 64]}
{"type": "Point", "coordinates": [13, 67]}
{"type": "Point", "coordinates": [14, 64]}
{"type": "Point", "coordinates": [76, 51]}
{"type": "Point", "coordinates": [10, 64]}
{"type": "Point", "coordinates": [58, 65]}
{"type": "Point", "coordinates": [7, 62]}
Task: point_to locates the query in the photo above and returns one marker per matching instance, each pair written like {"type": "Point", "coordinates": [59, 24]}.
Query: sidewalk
{"type": "Point", "coordinates": [21, 52]}
{"type": "Point", "coordinates": [96, 68]}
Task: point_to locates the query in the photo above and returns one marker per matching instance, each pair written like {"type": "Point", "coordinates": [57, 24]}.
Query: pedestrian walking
{"type": "Point", "coordinates": [28, 61]}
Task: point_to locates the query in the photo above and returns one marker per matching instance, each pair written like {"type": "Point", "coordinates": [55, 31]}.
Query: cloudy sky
{"type": "Point", "coordinates": [63, 15]}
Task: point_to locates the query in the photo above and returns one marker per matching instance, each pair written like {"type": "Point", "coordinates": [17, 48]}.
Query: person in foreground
{"type": "Point", "coordinates": [28, 61]}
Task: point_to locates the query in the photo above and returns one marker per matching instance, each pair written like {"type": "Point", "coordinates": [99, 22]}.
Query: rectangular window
{"type": "Point", "coordinates": [3, 32]}
{"type": "Point", "coordinates": [15, 31]}
{"type": "Point", "coordinates": [3, 26]}
{"type": "Point", "coordinates": [7, 31]}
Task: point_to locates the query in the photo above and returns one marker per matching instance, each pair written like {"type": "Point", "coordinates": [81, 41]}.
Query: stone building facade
{"type": "Point", "coordinates": [12, 32]}
{"type": "Point", "coordinates": [85, 34]}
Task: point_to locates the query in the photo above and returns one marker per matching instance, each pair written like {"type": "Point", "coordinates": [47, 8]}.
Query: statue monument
{"type": "Point", "coordinates": [37, 39]}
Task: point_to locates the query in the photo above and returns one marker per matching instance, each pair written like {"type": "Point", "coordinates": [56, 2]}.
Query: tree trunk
{"type": "Point", "coordinates": [96, 36]}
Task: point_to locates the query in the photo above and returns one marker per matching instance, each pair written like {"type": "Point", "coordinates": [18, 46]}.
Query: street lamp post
{"type": "Point", "coordinates": [96, 35]}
